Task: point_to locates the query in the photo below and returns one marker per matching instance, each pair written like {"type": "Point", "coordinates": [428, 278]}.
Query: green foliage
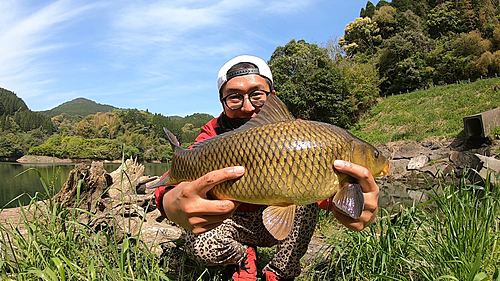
{"type": "Point", "coordinates": [442, 20]}
{"type": "Point", "coordinates": [58, 246]}
{"type": "Point", "coordinates": [15, 115]}
{"type": "Point", "coordinates": [102, 135]}
{"type": "Point", "coordinates": [385, 17]}
{"type": "Point", "coordinates": [495, 133]}
{"type": "Point", "coordinates": [417, 44]}
{"type": "Point", "coordinates": [466, 221]}
{"type": "Point", "coordinates": [361, 36]}
{"type": "Point", "coordinates": [401, 63]}
{"type": "Point", "coordinates": [362, 82]}
{"type": "Point", "coordinates": [99, 135]}
{"type": "Point", "coordinates": [369, 11]}
{"type": "Point", "coordinates": [310, 85]}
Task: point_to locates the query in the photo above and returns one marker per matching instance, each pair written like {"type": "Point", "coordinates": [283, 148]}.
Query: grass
{"type": "Point", "coordinates": [436, 112]}
{"type": "Point", "coordinates": [49, 242]}
{"type": "Point", "coordinates": [454, 236]}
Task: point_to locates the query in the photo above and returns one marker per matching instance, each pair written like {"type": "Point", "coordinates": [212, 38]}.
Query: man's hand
{"type": "Point", "coordinates": [370, 192]}
{"type": "Point", "coordinates": [187, 204]}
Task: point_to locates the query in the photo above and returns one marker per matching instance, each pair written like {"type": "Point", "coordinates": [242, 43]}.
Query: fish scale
{"type": "Point", "coordinates": [287, 162]}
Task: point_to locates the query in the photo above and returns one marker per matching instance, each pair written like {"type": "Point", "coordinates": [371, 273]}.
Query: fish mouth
{"type": "Point", "coordinates": [385, 171]}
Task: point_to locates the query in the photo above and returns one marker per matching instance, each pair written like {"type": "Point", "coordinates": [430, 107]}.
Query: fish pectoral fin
{"type": "Point", "coordinates": [350, 200]}
{"type": "Point", "coordinates": [162, 182]}
{"type": "Point", "coordinates": [278, 220]}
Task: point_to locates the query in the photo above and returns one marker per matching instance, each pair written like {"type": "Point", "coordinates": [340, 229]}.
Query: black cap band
{"type": "Point", "coordinates": [242, 72]}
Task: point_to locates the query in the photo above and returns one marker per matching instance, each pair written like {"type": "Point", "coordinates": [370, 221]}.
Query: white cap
{"type": "Point", "coordinates": [262, 69]}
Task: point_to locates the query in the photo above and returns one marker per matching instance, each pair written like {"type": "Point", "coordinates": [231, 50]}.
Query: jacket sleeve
{"type": "Point", "coordinates": [207, 131]}
{"type": "Point", "coordinates": [324, 204]}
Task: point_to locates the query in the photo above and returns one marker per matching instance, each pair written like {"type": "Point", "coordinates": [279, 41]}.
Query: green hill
{"type": "Point", "coordinates": [436, 112]}
{"type": "Point", "coordinates": [79, 106]}
{"type": "Point", "coordinates": [15, 115]}
{"type": "Point", "coordinates": [10, 103]}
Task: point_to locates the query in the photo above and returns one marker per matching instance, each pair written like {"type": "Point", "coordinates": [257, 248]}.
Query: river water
{"type": "Point", "coordinates": [22, 181]}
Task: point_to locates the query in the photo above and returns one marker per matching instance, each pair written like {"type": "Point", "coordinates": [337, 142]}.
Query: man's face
{"type": "Point", "coordinates": [244, 85]}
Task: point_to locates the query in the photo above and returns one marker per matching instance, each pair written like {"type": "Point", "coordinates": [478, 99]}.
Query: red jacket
{"type": "Point", "coordinates": [209, 131]}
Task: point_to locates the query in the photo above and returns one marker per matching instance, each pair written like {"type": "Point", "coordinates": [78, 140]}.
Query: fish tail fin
{"type": "Point", "coordinates": [173, 140]}
{"type": "Point", "coordinates": [350, 200]}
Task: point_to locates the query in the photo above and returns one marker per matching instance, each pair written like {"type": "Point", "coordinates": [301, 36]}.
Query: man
{"type": "Point", "coordinates": [223, 232]}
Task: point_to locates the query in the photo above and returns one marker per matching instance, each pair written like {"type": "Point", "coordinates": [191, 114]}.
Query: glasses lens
{"type": "Point", "coordinates": [234, 101]}
{"type": "Point", "coordinates": [257, 98]}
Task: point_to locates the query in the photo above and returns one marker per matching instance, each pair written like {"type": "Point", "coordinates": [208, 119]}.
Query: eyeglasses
{"type": "Point", "coordinates": [235, 101]}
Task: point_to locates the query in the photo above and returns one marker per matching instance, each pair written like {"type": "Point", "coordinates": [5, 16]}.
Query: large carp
{"type": "Point", "coordinates": [288, 162]}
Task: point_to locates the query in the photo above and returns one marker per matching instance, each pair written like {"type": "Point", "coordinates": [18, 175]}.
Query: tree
{"type": "Point", "coordinates": [308, 82]}
{"type": "Point", "coordinates": [385, 17]}
{"type": "Point", "coordinates": [369, 11]}
{"type": "Point", "coordinates": [361, 36]}
{"type": "Point", "coordinates": [401, 62]}
{"type": "Point", "coordinates": [408, 21]}
{"type": "Point", "coordinates": [418, 7]}
{"type": "Point", "coordinates": [442, 20]}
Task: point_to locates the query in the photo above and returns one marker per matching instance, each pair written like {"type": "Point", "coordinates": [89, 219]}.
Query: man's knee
{"type": "Point", "coordinates": [216, 252]}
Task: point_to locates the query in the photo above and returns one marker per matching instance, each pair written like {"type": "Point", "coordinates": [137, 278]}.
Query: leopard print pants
{"type": "Point", "coordinates": [228, 243]}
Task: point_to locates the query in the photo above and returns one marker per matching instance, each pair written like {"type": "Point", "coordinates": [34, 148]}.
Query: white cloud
{"type": "Point", "coordinates": [26, 39]}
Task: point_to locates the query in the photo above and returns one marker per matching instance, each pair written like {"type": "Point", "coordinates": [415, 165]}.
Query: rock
{"type": "Point", "coordinates": [417, 162]}
{"type": "Point", "coordinates": [489, 164]}
{"type": "Point", "coordinates": [407, 150]}
{"type": "Point", "coordinates": [398, 168]}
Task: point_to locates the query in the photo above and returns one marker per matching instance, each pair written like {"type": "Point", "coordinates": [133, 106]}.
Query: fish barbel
{"type": "Point", "coordinates": [287, 162]}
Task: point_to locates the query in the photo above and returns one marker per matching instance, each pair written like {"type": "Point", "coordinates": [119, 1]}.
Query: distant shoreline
{"type": "Point", "coordinates": [35, 159]}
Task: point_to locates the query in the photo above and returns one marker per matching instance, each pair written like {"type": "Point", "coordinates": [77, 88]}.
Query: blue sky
{"type": "Point", "coordinates": [157, 55]}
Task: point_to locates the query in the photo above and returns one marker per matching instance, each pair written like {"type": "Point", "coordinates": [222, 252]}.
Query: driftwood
{"type": "Point", "coordinates": [116, 202]}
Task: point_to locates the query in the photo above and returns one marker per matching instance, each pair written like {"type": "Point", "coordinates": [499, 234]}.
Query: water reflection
{"type": "Point", "coordinates": [22, 181]}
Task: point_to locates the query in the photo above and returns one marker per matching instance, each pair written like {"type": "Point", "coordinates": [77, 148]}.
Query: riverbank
{"type": "Point", "coordinates": [48, 159]}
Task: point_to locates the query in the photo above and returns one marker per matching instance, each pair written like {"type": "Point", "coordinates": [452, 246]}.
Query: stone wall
{"type": "Point", "coordinates": [416, 166]}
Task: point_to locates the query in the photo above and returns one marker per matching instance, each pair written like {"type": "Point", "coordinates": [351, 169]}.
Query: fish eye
{"type": "Point", "coordinates": [376, 153]}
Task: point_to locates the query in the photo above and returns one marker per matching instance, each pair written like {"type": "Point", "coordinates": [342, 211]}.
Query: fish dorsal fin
{"type": "Point", "coordinates": [274, 110]}
{"type": "Point", "coordinates": [278, 220]}
{"type": "Point", "coordinates": [173, 140]}
{"type": "Point", "coordinates": [350, 200]}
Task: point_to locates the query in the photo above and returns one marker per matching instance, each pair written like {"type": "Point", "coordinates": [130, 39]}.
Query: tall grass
{"type": "Point", "coordinates": [454, 236]}
{"type": "Point", "coordinates": [50, 243]}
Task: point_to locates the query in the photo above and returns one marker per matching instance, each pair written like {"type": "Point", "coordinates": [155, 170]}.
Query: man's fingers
{"type": "Point", "coordinates": [203, 184]}
{"type": "Point", "coordinates": [205, 207]}
{"type": "Point", "coordinates": [365, 179]}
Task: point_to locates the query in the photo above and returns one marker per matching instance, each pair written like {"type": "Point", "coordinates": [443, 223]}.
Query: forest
{"type": "Point", "coordinates": [392, 48]}
{"type": "Point", "coordinates": [103, 135]}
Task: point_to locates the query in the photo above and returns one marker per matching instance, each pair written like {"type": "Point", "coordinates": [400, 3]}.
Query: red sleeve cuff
{"type": "Point", "coordinates": [324, 204]}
